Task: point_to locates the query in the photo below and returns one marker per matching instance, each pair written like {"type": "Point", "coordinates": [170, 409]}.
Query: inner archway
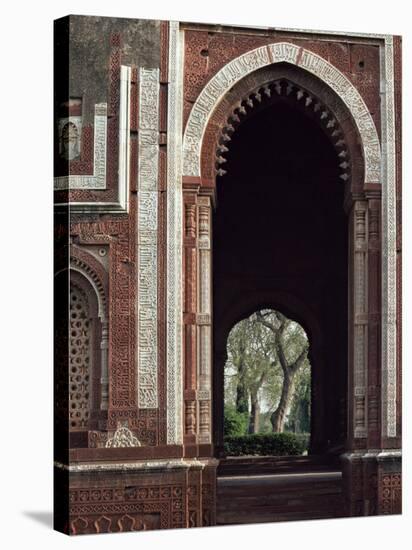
{"type": "Point", "coordinates": [281, 241]}
{"type": "Point", "coordinates": [267, 386]}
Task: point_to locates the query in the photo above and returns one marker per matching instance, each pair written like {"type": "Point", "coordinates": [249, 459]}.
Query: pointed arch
{"type": "Point", "coordinates": [280, 52]}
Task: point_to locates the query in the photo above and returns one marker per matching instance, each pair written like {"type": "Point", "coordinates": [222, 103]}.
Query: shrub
{"type": "Point", "coordinates": [275, 444]}
{"type": "Point", "coordinates": [235, 423]}
{"type": "Point", "coordinates": [304, 438]}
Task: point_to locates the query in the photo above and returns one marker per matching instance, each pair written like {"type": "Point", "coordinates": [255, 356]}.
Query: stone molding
{"type": "Point", "coordinates": [145, 465]}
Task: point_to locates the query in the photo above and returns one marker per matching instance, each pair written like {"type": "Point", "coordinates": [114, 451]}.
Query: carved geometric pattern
{"type": "Point", "coordinates": [389, 246]}
{"type": "Point", "coordinates": [98, 179]}
{"type": "Point", "coordinates": [174, 261]}
{"type": "Point", "coordinates": [391, 490]}
{"type": "Point", "coordinates": [79, 360]}
{"type": "Point", "coordinates": [147, 231]}
{"type": "Point", "coordinates": [245, 64]}
{"type": "Point", "coordinates": [268, 93]}
{"type": "Point", "coordinates": [126, 508]}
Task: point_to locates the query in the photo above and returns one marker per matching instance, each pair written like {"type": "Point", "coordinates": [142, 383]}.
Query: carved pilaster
{"type": "Point", "coordinates": [190, 417]}
{"type": "Point", "coordinates": [104, 381]}
{"type": "Point", "coordinates": [204, 421]}
{"type": "Point", "coordinates": [190, 220]}
{"type": "Point", "coordinates": [189, 317]}
{"type": "Point", "coordinates": [204, 319]}
{"type": "Point", "coordinates": [374, 324]}
{"type": "Point", "coordinates": [360, 318]}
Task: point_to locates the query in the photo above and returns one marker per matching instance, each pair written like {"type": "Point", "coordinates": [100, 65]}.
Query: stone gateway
{"type": "Point", "coordinates": [202, 173]}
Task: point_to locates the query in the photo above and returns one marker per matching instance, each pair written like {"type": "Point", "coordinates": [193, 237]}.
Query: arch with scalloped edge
{"type": "Point", "coordinates": [280, 52]}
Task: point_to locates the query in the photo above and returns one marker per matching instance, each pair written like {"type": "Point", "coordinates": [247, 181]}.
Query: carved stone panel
{"type": "Point", "coordinates": [147, 234]}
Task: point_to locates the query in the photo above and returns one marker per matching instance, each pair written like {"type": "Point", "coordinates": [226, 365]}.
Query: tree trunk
{"type": "Point", "coordinates": [242, 394]}
{"type": "Point", "coordinates": [277, 418]}
{"type": "Point", "coordinates": [254, 415]}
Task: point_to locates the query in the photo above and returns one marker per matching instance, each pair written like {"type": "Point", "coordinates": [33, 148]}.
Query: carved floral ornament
{"type": "Point", "coordinates": [253, 60]}
{"type": "Point", "coordinates": [123, 437]}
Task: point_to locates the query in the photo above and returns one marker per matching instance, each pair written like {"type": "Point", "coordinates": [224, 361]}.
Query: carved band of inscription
{"type": "Point", "coordinates": [174, 239]}
{"type": "Point", "coordinates": [245, 64]}
{"type": "Point", "coordinates": [98, 179]}
{"type": "Point", "coordinates": [147, 227]}
{"type": "Point", "coordinates": [389, 245]}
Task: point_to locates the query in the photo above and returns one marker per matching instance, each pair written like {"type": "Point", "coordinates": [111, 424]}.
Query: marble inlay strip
{"type": "Point", "coordinates": [174, 238]}
{"type": "Point", "coordinates": [388, 243]}
{"type": "Point", "coordinates": [147, 230]}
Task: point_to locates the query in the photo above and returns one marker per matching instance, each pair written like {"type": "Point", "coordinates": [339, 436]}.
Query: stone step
{"type": "Point", "coordinates": [280, 497]}
{"type": "Point", "coordinates": [231, 466]}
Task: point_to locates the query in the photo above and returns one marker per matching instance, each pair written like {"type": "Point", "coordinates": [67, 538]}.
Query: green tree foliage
{"type": "Point", "coordinates": [299, 415]}
{"type": "Point", "coordinates": [235, 423]}
{"type": "Point", "coordinates": [267, 373]}
{"type": "Point", "coordinates": [275, 444]}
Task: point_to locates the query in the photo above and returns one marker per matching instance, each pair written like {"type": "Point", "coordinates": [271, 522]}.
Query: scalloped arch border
{"type": "Point", "coordinates": [85, 264]}
{"type": "Point", "coordinates": [255, 59]}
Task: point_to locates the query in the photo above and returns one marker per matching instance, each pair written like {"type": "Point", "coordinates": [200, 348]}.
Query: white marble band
{"type": "Point", "coordinates": [174, 238]}
{"type": "Point", "coordinates": [147, 235]}
{"type": "Point", "coordinates": [389, 381]}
